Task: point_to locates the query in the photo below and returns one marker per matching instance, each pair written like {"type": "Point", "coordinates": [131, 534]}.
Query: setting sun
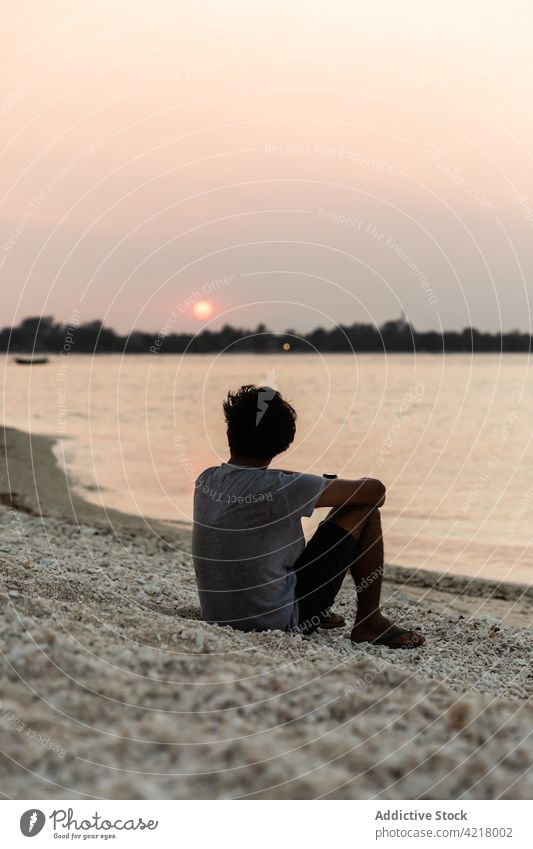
{"type": "Point", "coordinates": [202, 310]}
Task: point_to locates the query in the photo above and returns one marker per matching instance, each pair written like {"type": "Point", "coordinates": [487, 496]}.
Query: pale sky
{"type": "Point", "coordinates": [330, 161]}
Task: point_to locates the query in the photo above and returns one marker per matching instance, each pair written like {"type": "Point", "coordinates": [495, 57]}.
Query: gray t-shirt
{"type": "Point", "coordinates": [247, 534]}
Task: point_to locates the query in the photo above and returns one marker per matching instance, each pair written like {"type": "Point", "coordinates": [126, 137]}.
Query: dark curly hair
{"type": "Point", "coordinates": [260, 422]}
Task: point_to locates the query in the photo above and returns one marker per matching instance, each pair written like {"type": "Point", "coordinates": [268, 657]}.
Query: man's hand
{"type": "Point", "coordinates": [342, 493]}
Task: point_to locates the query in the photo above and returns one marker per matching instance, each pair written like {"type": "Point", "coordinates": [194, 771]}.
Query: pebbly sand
{"type": "Point", "coordinates": [113, 688]}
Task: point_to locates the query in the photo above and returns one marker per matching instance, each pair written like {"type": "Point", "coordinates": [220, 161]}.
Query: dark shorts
{"type": "Point", "coordinates": [320, 571]}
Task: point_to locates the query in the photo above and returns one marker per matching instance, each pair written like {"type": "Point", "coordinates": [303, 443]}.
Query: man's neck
{"type": "Point", "coordinates": [253, 462]}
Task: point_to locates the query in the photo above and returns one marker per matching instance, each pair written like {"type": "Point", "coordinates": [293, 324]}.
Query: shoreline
{"type": "Point", "coordinates": [114, 688]}
{"type": "Point", "coordinates": [32, 480]}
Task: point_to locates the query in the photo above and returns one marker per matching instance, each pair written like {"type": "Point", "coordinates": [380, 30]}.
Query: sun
{"type": "Point", "coordinates": [202, 310]}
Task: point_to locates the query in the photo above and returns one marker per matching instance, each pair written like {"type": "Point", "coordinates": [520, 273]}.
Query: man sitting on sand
{"type": "Point", "coordinates": [253, 569]}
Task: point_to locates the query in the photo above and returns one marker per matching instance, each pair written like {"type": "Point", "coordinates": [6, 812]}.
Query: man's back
{"type": "Point", "coordinates": [247, 534]}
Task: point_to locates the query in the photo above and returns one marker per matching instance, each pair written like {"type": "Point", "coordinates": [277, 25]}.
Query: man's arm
{"type": "Point", "coordinates": [343, 493]}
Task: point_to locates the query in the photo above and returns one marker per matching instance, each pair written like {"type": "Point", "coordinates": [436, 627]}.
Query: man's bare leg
{"type": "Point", "coordinates": [364, 523]}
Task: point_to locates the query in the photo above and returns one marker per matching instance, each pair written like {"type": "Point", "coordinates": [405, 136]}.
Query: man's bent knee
{"type": "Point", "coordinates": [354, 518]}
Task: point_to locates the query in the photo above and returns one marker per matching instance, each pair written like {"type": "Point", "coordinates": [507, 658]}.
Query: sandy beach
{"type": "Point", "coordinates": [113, 688]}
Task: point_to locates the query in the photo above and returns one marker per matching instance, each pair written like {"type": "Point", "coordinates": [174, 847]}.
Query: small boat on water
{"type": "Point", "coordinates": [31, 361]}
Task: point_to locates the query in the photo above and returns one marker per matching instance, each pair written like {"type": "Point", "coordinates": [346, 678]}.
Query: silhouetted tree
{"type": "Point", "coordinates": [43, 334]}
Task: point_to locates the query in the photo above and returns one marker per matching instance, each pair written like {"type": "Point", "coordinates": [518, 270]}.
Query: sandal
{"type": "Point", "coordinates": [332, 620]}
{"type": "Point", "coordinates": [387, 639]}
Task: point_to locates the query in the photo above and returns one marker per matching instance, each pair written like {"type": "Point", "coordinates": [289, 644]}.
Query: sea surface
{"type": "Point", "coordinates": [451, 437]}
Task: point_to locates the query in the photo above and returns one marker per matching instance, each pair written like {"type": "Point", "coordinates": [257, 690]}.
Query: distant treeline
{"type": "Point", "coordinates": [45, 335]}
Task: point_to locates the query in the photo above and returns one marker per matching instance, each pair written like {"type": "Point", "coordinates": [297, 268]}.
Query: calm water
{"type": "Point", "coordinates": [451, 438]}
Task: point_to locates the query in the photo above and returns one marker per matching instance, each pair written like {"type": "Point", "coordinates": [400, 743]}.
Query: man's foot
{"type": "Point", "coordinates": [382, 632]}
{"type": "Point", "coordinates": [332, 620]}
